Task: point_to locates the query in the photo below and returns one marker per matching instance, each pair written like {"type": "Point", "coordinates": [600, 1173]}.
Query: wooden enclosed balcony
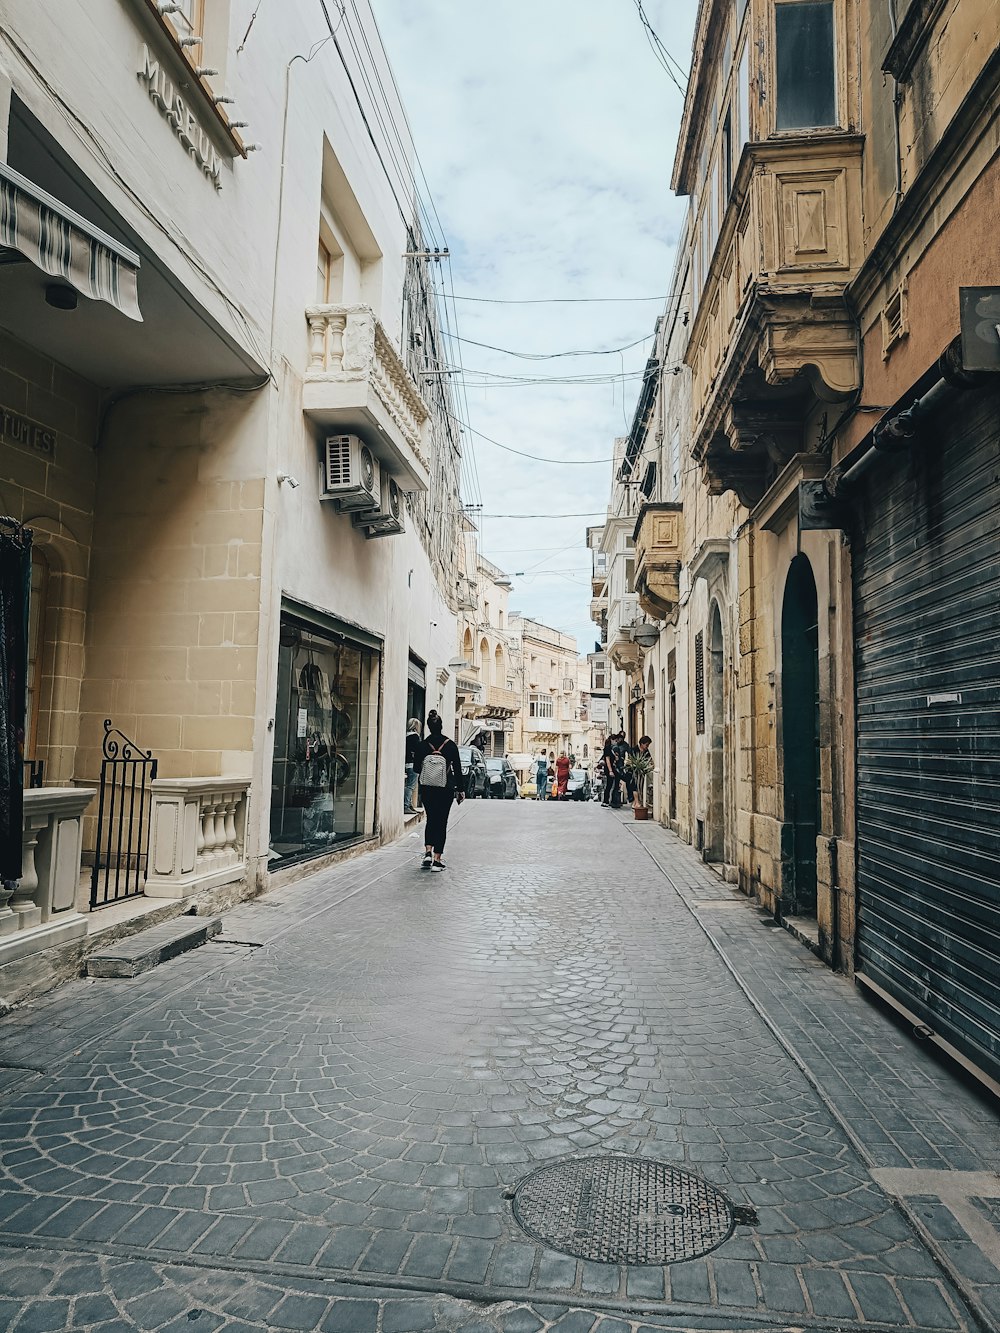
{"type": "Point", "coordinates": [356, 383]}
{"type": "Point", "coordinates": [657, 540]}
{"type": "Point", "coordinates": [772, 333]}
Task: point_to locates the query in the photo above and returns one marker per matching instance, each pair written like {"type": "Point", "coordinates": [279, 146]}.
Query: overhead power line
{"type": "Point", "coordinates": [567, 462]}
{"type": "Point", "coordinates": [552, 356]}
{"type": "Point", "coordinates": [663, 56]}
{"type": "Point", "coordinates": [555, 300]}
{"type": "Point", "coordinates": [584, 513]}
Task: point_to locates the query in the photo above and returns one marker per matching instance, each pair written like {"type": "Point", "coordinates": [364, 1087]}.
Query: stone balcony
{"type": "Point", "coordinates": [498, 699]}
{"type": "Point", "coordinates": [356, 383]}
{"type": "Point", "coordinates": [624, 613]}
{"type": "Point", "coordinates": [773, 334]}
{"type": "Point", "coordinates": [657, 537]}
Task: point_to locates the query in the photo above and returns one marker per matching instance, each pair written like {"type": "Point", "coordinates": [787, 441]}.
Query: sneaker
{"type": "Point", "coordinates": [425, 864]}
{"type": "Point", "coordinates": [439, 865]}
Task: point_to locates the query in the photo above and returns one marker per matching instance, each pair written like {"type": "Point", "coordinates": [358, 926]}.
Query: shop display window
{"type": "Point", "coordinates": [323, 774]}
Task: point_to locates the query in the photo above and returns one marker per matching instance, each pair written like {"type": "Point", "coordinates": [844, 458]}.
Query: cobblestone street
{"type": "Point", "coordinates": [315, 1122]}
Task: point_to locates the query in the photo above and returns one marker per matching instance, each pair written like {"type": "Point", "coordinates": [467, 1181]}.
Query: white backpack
{"type": "Point", "coordinates": [434, 769]}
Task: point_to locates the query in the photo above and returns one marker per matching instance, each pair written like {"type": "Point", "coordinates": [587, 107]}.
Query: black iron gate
{"type": "Point", "coordinates": [927, 646]}
{"type": "Point", "coordinates": [121, 847]}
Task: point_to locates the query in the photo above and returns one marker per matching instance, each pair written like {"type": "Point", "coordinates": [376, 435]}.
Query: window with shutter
{"type": "Point", "coordinates": [699, 683]}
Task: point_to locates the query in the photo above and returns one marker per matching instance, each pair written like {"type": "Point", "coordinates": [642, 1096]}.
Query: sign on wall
{"type": "Point", "coordinates": [179, 116]}
{"type": "Point", "coordinates": [15, 429]}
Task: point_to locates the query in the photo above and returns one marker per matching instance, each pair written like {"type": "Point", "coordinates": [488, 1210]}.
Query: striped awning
{"type": "Point", "coordinates": [64, 245]}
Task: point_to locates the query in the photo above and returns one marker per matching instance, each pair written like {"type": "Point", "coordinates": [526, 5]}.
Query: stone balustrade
{"type": "Point", "coordinates": [197, 835]}
{"type": "Point", "coordinates": [356, 380]}
{"type": "Point", "coordinates": [39, 911]}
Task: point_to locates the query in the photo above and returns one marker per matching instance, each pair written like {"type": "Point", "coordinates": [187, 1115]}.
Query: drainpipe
{"type": "Point", "coordinates": [897, 106]}
{"type": "Point", "coordinates": [893, 433]}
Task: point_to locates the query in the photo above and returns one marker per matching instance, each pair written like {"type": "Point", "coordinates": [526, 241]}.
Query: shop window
{"type": "Point", "coordinates": [323, 774]}
{"type": "Point", "coordinates": [804, 65]}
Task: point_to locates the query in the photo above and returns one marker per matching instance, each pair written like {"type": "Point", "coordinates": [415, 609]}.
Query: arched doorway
{"type": "Point", "coordinates": [800, 738]}
{"type": "Point", "coordinates": [715, 834]}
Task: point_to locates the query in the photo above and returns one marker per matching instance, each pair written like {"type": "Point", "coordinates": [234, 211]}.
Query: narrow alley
{"type": "Point", "coordinates": [317, 1120]}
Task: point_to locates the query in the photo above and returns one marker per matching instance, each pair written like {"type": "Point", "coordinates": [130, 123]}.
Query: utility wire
{"type": "Point", "coordinates": [568, 462]}
{"type": "Point", "coordinates": [663, 56]}
{"type": "Point", "coordinates": [555, 300]}
{"type": "Point", "coordinates": [552, 356]}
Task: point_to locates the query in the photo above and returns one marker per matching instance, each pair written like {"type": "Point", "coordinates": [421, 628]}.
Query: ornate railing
{"type": "Point", "coordinates": [347, 344]}
{"type": "Point", "coordinates": [122, 842]}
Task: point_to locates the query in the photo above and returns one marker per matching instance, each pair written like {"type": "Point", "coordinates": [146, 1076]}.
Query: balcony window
{"type": "Point", "coordinates": [540, 705]}
{"type": "Point", "coordinates": [189, 19]}
{"type": "Point", "coordinates": [727, 156]}
{"type": "Point", "coordinates": [675, 464]}
{"type": "Point", "coordinates": [804, 65]}
{"type": "Point", "coordinates": [743, 97]}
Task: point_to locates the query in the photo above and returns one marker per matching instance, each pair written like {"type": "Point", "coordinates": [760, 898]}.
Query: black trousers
{"type": "Point", "coordinates": [609, 787]}
{"type": "Point", "coordinates": [437, 802]}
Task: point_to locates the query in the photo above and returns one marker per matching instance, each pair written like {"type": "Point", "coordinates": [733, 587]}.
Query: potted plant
{"type": "Point", "coordinates": [641, 764]}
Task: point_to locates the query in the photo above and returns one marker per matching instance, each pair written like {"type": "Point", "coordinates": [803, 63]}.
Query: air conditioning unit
{"type": "Point", "coordinates": [387, 519]}
{"type": "Point", "coordinates": [350, 473]}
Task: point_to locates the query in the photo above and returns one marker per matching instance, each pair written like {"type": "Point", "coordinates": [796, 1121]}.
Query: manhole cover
{"type": "Point", "coordinates": [623, 1210]}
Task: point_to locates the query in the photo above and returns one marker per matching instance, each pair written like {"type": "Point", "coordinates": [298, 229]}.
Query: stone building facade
{"type": "Point", "coordinates": [256, 608]}
{"type": "Point", "coordinates": [812, 640]}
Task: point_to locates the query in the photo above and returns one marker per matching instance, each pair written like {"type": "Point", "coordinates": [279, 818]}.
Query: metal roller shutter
{"type": "Point", "coordinates": [927, 662]}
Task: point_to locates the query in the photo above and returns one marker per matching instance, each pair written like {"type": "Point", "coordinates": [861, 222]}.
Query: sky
{"type": "Point", "coordinates": [546, 131]}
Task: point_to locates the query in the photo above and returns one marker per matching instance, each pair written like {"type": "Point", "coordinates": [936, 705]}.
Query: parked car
{"type": "Point", "coordinates": [503, 780]}
{"type": "Point", "coordinates": [528, 789]}
{"type": "Point", "coordinates": [578, 787]}
{"type": "Point", "coordinates": [477, 780]}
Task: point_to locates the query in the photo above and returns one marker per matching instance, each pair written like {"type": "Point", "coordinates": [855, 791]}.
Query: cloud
{"type": "Point", "coordinates": [547, 130]}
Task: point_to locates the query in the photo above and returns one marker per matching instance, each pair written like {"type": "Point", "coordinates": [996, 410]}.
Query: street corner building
{"type": "Point", "coordinates": [231, 479]}
{"type": "Point", "coordinates": [797, 582]}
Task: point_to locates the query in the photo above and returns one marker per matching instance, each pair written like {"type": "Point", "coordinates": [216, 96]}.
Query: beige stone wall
{"type": "Point", "coordinates": [54, 495]}
{"type": "Point", "coordinates": [174, 613]}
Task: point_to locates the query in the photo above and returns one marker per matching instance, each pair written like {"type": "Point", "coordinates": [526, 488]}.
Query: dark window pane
{"type": "Point", "coordinates": [806, 86]}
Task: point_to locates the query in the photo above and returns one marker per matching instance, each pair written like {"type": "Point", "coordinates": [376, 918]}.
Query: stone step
{"type": "Point", "coordinates": [136, 954]}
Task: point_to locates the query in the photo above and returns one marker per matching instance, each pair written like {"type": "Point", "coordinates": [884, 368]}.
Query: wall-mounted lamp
{"type": "Point", "coordinates": [60, 296]}
{"type": "Point", "coordinates": [285, 478]}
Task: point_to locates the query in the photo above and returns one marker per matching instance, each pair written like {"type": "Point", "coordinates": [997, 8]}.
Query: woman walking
{"type": "Point", "coordinates": [441, 782]}
{"type": "Point", "coordinates": [412, 747]}
{"type": "Point", "coordinates": [562, 776]}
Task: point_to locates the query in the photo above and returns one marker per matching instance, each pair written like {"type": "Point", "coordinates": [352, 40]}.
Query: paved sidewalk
{"type": "Point", "coordinates": [320, 1132]}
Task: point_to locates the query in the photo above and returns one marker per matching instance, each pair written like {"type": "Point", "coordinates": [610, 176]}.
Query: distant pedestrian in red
{"type": "Point", "coordinates": [562, 775]}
